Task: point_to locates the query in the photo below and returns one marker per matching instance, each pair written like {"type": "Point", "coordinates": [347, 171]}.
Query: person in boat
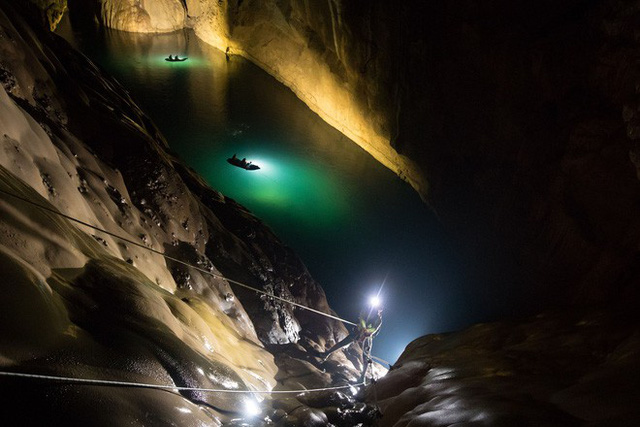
{"type": "Point", "coordinates": [368, 326]}
{"type": "Point", "coordinates": [170, 58]}
{"type": "Point", "coordinates": [234, 157]}
{"type": "Point", "coordinates": [244, 161]}
{"type": "Point", "coordinates": [248, 164]}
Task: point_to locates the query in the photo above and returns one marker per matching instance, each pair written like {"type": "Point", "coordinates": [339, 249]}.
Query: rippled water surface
{"type": "Point", "coordinates": [352, 221]}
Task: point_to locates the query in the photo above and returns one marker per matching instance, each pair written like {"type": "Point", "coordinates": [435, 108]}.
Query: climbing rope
{"type": "Point", "coordinates": [98, 382]}
{"type": "Point", "coordinates": [202, 270]}
{"type": "Point", "coordinates": [380, 360]}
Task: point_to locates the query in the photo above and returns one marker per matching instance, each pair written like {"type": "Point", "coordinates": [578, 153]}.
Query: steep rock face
{"type": "Point", "coordinates": [518, 119]}
{"type": "Point", "coordinates": [334, 55]}
{"type": "Point", "coordinates": [155, 16]}
{"type": "Point", "coordinates": [82, 303]}
{"type": "Point", "coordinates": [52, 11]}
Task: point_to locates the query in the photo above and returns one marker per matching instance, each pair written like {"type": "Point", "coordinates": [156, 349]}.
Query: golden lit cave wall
{"type": "Point", "coordinates": [146, 17]}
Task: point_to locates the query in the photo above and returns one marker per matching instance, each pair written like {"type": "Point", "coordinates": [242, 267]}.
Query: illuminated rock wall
{"type": "Point", "coordinates": [155, 16]}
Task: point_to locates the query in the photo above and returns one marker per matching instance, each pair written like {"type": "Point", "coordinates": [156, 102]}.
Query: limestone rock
{"type": "Point", "coordinates": [157, 16]}
{"type": "Point", "coordinates": [53, 11]}
{"type": "Point", "coordinates": [333, 55]}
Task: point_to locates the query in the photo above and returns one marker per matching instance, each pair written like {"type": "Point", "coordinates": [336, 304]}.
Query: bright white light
{"type": "Point", "coordinates": [375, 301]}
{"type": "Point", "coordinates": [184, 410]}
{"type": "Point", "coordinates": [266, 166]}
{"type": "Point", "coordinates": [207, 344]}
{"type": "Point", "coordinates": [252, 408]}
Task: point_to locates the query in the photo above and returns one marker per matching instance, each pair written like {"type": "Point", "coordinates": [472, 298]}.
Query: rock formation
{"type": "Point", "coordinates": [556, 369]}
{"type": "Point", "coordinates": [52, 11]}
{"type": "Point", "coordinates": [82, 303]}
{"type": "Point", "coordinates": [155, 16]}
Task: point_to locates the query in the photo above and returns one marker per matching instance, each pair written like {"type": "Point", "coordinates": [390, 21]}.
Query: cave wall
{"type": "Point", "coordinates": [76, 301]}
{"type": "Point", "coordinates": [560, 368]}
{"type": "Point", "coordinates": [52, 11]}
{"type": "Point", "coordinates": [155, 16]}
{"type": "Point", "coordinates": [334, 56]}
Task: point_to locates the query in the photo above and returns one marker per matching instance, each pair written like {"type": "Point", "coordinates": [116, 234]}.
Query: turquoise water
{"type": "Point", "coordinates": [352, 221]}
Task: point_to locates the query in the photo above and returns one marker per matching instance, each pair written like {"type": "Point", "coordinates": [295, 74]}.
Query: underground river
{"type": "Point", "coordinates": [353, 222]}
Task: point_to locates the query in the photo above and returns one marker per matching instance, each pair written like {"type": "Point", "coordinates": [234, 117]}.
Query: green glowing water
{"type": "Point", "coordinates": [352, 221]}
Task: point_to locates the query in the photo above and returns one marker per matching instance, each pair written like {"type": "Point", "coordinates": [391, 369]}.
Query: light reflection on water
{"type": "Point", "coordinates": [351, 220]}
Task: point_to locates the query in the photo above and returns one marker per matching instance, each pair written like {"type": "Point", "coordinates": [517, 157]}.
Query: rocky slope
{"type": "Point", "coordinates": [556, 369]}
{"type": "Point", "coordinates": [82, 303]}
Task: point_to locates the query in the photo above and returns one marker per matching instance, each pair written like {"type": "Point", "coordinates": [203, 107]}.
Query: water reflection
{"type": "Point", "coordinates": [352, 221]}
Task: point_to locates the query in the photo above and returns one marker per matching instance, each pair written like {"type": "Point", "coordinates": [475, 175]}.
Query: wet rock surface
{"type": "Point", "coordinates": [557, 369]}
{"type": "Point", "coordinates": [82, 303]}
